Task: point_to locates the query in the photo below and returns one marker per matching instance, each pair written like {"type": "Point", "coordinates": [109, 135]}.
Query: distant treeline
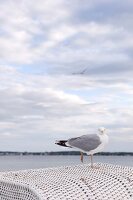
{"type": "Point", "coordinates": [64, 153]}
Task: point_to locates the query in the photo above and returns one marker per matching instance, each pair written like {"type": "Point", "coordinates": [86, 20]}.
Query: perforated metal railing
{"type": "Point", "coordinates": [80, 182]}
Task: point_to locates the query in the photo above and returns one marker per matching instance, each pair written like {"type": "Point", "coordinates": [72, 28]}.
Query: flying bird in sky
{"type": "Point", "coordinates": [81, 73]}
{"type": "Point", "coordinates": [90, 143]}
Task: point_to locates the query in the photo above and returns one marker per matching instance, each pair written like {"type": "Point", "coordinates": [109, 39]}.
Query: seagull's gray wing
{"type": "Point", "coordinates": [85, 142]}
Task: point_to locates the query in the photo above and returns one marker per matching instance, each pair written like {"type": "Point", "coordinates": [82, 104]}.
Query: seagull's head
{"type": "Point", "coordinates": [102, 130]}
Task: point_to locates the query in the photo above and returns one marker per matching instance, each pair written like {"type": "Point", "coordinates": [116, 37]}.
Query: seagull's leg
{"type": "Point", "coordinates": [92, 166]}
{"type": "Point", "coordinates": [81, 156]}
{"type": "Point", "coordinates": [92, 161]}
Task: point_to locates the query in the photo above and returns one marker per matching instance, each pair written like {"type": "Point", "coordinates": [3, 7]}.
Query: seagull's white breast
{"type": "Point", "coordinates": [104, 141]}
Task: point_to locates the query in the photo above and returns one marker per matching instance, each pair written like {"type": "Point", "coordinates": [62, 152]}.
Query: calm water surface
{"type": "Point", "coordinates": [31, 162]}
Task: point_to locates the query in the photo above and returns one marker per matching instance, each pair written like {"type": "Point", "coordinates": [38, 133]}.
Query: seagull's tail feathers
{"type": "Point", "coordinates": [62, 143]}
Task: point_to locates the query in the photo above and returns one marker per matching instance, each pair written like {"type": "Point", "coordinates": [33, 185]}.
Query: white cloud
{"type": "Point", "coordinates": [24, 23]}
{"type": "Point", "coordinates": [31, 109]}
{"type": "Point", "coordinates": [44, 47]}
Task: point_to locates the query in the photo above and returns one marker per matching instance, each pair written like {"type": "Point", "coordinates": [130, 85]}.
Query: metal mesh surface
{"type": "Point", "coordinates": [80, 182]}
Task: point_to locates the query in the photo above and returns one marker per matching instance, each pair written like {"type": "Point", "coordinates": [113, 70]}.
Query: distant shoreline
{"type": "Point", "coordinates": [65, 153]}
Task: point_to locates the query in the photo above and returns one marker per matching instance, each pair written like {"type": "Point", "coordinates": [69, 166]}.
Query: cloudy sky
{"type": "Point", "coordinates": [66, 68]}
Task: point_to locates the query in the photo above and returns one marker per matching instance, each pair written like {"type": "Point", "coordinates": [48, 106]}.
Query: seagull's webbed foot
{"type": "Point", "coordinates": [95, 167]}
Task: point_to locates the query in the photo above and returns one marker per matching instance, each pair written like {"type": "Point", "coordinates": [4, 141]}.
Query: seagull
{"type": "Point", "coordinates": [90, 143]}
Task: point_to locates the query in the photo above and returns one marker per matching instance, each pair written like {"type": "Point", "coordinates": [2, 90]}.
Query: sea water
{"type": "Point", "coordinates": [32, 162]}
